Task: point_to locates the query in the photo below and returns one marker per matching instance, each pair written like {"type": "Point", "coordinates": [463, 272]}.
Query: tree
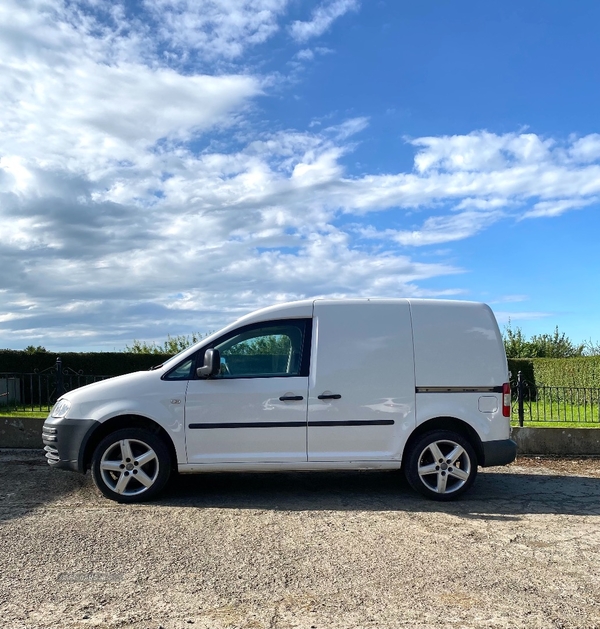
{"type": "Point", "coordinates": [173, 345]}
{"type": "Point", "coordinates": [31, 349]}
{"type": "Point", "coordinates": [556, 345]}
{"type": "Point", "coordinates": [592, 348]}
{"type": "Point", "coordinates": [515, 343]}
{"type": "Point", "coordinates": [271, 345]}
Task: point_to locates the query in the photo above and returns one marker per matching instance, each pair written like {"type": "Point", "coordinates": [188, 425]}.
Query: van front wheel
{"type": "Point", "coordinates": [441, 465]}
{"type": "Point", "coordinates": [131, 465]}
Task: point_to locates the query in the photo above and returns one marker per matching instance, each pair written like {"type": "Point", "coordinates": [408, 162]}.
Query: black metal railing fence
{"type": "Point", "coordinates": [531, 403]}
{"type": "Point", "coordinates": [554, 404]}
{"type": "Point", "coordinates": [39, 390]}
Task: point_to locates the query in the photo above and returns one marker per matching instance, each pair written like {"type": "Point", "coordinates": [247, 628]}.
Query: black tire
{"type": "Point", "coordinates": [447, 475]}
{"type": "Point", "coordinates": [131, 465]}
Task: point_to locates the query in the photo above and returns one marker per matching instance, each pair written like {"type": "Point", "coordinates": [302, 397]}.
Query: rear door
{"type": "Point", "coordinates": [361, 385]}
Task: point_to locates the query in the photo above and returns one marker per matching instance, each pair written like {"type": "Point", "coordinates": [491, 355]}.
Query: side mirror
{"type": "Point", "coordinates": [212, 364]}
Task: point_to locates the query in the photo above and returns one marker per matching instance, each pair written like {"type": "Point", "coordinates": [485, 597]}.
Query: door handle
{"type": "Point", "coordinates": [330, 396]}
{"type": "Point", "coordinates": [291, 398]}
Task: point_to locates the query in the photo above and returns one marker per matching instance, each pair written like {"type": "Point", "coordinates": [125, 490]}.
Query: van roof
{"type": "Point", "coordinates": [304, 307]}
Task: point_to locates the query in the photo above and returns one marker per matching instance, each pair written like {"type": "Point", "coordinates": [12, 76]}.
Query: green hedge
{"type": "Point", "coordinates": [580, 372]}
{"type": "Point", "coordinates": [583, 371]}
{"type": "Point", "coordinates": [524, 365]}
{"type": "Point", "coordinates": [92, 363]}
{"type": "Point", "coordinates": [568, 372]}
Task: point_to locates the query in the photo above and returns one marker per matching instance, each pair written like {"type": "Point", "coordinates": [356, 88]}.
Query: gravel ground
{"type": "Point", "coordinates": [310, 550]}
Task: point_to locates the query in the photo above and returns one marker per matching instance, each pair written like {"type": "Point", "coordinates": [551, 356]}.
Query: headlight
{"type": "Point", "coordinates": [61, 408]}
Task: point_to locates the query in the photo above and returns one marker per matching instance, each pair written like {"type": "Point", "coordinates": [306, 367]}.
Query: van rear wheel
{"type": "Point", "coordinates": [441, 465]}
{"type": "Point", "coordinates": [131, 465]}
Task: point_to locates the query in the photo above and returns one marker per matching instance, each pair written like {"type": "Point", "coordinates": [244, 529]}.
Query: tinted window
{"type": "Point", "coordinates": [181, 372]}
{"type": "Point", "coordinates": [265, 350]}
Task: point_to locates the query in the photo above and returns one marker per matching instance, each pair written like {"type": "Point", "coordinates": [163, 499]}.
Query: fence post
{"type": "Point", "coordinates": [60, 385]}
{"type": "Point", "coordinates": [520, 398]}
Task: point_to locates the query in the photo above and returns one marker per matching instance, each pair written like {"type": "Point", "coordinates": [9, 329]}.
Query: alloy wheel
{"type": "Point", "coordinates": [129, 467]}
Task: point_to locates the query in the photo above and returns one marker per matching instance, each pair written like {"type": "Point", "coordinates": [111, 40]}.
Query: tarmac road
{"type": "Point", "coordinates": [308, 550]}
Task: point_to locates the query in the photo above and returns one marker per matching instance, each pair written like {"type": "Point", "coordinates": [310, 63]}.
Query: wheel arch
{"type": "Point", "coordinates": [448, 423]}
{"type": "Point", "coordinates": [117, 423]}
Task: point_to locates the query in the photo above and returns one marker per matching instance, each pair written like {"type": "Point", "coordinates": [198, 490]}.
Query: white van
{"type": "Point", "coordinates": [309, 385]}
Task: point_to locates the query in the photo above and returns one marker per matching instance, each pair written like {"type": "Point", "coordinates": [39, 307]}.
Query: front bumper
{"type": "Point", "coordinates": [65, 441]}
{"type": "Point", "coordinates": [501, 452]}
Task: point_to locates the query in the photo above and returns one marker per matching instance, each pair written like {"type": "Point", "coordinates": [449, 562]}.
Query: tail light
{"type": "Point", "coordinates": [506, 399]}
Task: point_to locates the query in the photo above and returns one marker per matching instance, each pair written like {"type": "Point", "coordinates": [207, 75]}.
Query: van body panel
{"type": "Point", "coordinates": [291, 310]}
{"type": "Point", "coordinates": [362, 351]}
{"type": "Point", "coordinates": [141, 394]}
{"type": "Point", "coordinates": [457, 343]}
{"type": "Point", "coordinates": [243, 420]}
{"type": "Point", "coordinates": [297, 466]}
{"type": "Point", "coordinates": [489, 426]}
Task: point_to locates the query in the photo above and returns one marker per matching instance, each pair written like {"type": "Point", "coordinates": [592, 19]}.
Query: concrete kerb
{"type": "Point", "coordinates": [558, 441]}
{"type": "Point", "coordinates": [21, 432]}
{"type": "Point", "coordinates": [26, 432]}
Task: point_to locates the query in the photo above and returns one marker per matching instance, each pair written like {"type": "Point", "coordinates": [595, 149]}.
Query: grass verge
{"type": "Point", "coordinates": [559, 414]}
{"type": "Point", "coordinates": [29, 413]}
{"type": "Point", "coordinates": [532, 420]}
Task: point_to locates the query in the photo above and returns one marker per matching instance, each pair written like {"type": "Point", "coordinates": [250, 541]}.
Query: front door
{"type": "Point", "coordinates": [255, 409]}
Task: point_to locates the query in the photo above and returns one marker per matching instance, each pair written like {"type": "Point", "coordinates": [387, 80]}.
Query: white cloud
{"type": "Point", "coordinates": [506, 317]}
{"type": "Point", "coordinates": [484, 204]}
{"type": "Point", "coordinates": [480, 151]}
{"type": "Point", "coordinates": [321, 19]}
{"type": "Point", "coordinates": [306, 54]}
{"type": "Point", "coordinates": [231, 231]}
{"type": "Point", "coordinates": [586, 149]}
{"type": "Point", "coordinates": [438, 229]}
{"type": "Point", "coordinates": [558, 206]}
{"type": "Point", "coordinates": [74, 110]}
{"type": "Point", "coordinates": [348, 128]}
{"type": "Point", "coordinates": [509, 299]}
{"type": "Point", "coordinates": [219, 29]}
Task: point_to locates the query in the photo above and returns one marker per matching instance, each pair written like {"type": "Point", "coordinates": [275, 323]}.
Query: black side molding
{"type": "Point", "coordinates": [459, 389]}
{"type": "Point", "coordinates": [208, 426]}
{"type": "Point", "coordinates": [353, 422]}
{"type": "Point", "coordinates": [294, 424]}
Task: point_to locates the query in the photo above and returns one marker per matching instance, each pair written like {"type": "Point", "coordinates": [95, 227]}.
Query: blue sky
{"type": "Point", "coordinates": [168, 165]}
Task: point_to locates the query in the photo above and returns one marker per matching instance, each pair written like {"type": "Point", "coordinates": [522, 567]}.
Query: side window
{"type": "Point", "coordinates": [182, 372]}
{"type": "Point", "coordinates": [265, 350]}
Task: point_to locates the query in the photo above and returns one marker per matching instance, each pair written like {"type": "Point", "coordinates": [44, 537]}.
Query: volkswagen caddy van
{"type": "Point", "coordinates": [321, 384]}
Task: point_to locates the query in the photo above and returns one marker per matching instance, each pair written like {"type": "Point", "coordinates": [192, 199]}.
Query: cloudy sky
{"type": "Point", "coordinates": [168, 165]}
